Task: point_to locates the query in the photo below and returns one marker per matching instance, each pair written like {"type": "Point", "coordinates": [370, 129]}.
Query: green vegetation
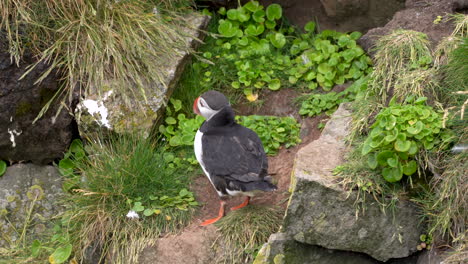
{"type": "Point", "coordinates": [121, 175]}
{"type": "Point", "coordinates": [97, 44]}
{"type": "Point", "coordinates": [399, 133]}
{"type": "Point", "coordinates": [401, 142]}
{"type": "Point", "coordinates": [244, 231]}
{"type": "Point", "coordinates": [178, 129]}
{"type": "Point", "coordinates": [273, 131]}
{"type": "Point", "coordinates": [3, 167]}
{"type": "Point", "coordinates": [315, 104]}
{"type": "Point", "coordinates": [256, 50]}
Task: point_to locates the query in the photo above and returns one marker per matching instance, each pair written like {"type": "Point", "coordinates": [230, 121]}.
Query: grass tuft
{"type": "Point", "coordinates": [397, 53]}
{"type": "Point", "coordinates": [114, 176]}
{"type": "Point", "coordinates": [244, 231]}
{"type": "Point", "coordinates": [98, 44]}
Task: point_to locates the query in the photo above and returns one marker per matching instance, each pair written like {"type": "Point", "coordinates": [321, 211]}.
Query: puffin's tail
{"type": "Point", "coordinates": [264, 185]}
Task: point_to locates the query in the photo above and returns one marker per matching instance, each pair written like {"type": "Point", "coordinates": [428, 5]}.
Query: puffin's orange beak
{"type": "Point", "coordinates": [195, 106]}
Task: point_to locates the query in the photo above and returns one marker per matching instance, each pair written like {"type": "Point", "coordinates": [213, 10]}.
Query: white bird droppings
{"type": "Point", "coordinates": [13, 133]}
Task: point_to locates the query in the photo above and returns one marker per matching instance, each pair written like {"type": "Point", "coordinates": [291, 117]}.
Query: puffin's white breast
{"type": "Point", "coordinates": [197, 146]}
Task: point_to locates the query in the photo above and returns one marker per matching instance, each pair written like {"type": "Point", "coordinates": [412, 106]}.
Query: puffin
{"type": "Point", "coordinates": [230, 155]}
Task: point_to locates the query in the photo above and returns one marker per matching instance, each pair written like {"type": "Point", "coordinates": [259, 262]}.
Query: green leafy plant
{"type": "Point", "coordinates": [58, 247]}
{"type": "Point", "coordinates": [178, 129]}
{"type": "Point", "coordinates": [327, 59]}
{"type": "Point", "coordinates": [398, 134]}
{"type": "Point", "coordinates": [256, 52]}
{"type": "Point", "coordinates": [316, 104]}
{"type": "Point", "coordinates": [3, 167]}
{"type": "Point", "coordinates": [273, 131]}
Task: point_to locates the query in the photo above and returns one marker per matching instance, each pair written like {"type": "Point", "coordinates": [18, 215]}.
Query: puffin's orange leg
{"type": "Point", "coordinates": [245, 203]}
{"type": "Point", "coordinates": [222, 204]}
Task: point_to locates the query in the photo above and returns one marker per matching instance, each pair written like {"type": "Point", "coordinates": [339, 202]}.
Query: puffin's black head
{"type": "Point", "coordinates": [209, 103]}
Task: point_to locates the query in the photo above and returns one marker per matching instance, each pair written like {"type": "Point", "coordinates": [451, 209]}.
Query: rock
{"type": "Point", "coordinates": [21, 185]}
{"type": "Point", "coordinates": [321, 213]}
{"type": "Point", "coordinates": [20, 103]}
{"type": "Point", "coordinates": [418, 16]}
{"type": "Point", "coordinates": [344, 8]}
{"type": "Point", "coordinates": [340, 15]}
{"type": "Point", "coordinates": [429, 257]}
{"type": "Point", "coordinates": [283, 249]}
{"type": "Point", "coordinates": [109, 111]}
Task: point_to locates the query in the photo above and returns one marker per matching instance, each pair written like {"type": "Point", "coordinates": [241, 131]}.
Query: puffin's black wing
{"type": "Point", "coordinates": [234, 153]}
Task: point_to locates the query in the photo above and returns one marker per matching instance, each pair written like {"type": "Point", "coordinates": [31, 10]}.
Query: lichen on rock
{"type": "Point", "coordinates": [28, 187]}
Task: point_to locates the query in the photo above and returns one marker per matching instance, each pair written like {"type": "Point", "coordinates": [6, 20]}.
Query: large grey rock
{"type": "Point", "coordinates": [26, 186]}
{"type": "Point", "coordinates": [20, 103]}
{"type": "Point", "coordinates": [281, 249]}
{"type": "Point", "coordinates": [321, 213]}
{"type": "Point", "coordinates": [109, 112]}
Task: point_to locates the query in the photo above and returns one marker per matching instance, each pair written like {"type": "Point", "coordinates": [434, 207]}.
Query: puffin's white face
{"type": "Point", "coordinates": [202, 108]}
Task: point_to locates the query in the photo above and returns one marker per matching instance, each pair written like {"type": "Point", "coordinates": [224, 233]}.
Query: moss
{"type": "Point", "coordinates": [23, 108]}
{"type": "Point", "coordinates": [45, 95]}
{"type": "Point", "coordinates": [11, 198]}
{"type": "Point", "coordinates": [262, 255]}
{"type": "Point", "coordinates": [279, 259]}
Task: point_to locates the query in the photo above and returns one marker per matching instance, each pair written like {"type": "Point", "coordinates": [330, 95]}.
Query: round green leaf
{"type": "Point", "coordinates": [366, 148]}
{"type": "Point", "coordinates": [274, 84]}
{"type": "Point", "coordinates": [171, 121]}
{"type": "Point", "coordinates": [259, 16]}
{"type": "Point", "coordinates": [175, 141]}
{"type": "Point", "coordinates": [377, 141]}
{"type": "Point", "coordinates": [402, 146]}
{"type": "Point", "coordinates": [383, 156]}
{"type": "Point", "coordinates": [274, 12]}
{"type": "Point", "coordinates": [410, 168]}
{"type": "Point", "coordinates": [418, 127]}
{"type": "Point", "coordinates": [253, 30]}
{"type": "Point", "coordinates": [393, 162]}
{"type": "Point", "coordinates": [3, 167]}
{"type": "Point", "coordinates": [66, 167]}
{"type": "Point", "coordinates": [233, 14]}
{"type": "Point", "coordinates": [372, 161]}
{"type": "Point", "coordinates": [148, 212]}
{"type": "Point", "coordinates": [61, 254]}
{"type": "Point", "coordinates": [77, 146]}
{"type": "Point", "coordinates": [270, 24]}
{"type": "Point", "coordinates": [355, 35]}
{"type": "Point", "coordinates": [227, 29]}
{"type": "Point", "coordinates": [312, 85]}
{"type": "Point", "coordinates": [392, 174]}
{"type": "Point", "coordinates": [222, 11]}
{"type": "Point", "coordinates": [138, 207]}
{"type": "Point", "coordinates": [310, 76]}
{"type": "Point", "coordinates": [252, 6]}
{"type": "Point", "coordinates": [278, 40]}
{"type": "Point", "coordinates": [310, 26]}
{"type": "Point", "coordinates": [413, 148]}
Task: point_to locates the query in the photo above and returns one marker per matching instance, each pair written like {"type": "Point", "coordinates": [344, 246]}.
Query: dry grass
{"type": "Point", "coordinates": [397, 53]}
{"type": "Point", "coordinates": [98, 43]}
{"type": "Point", "coordinates": [244, 231]}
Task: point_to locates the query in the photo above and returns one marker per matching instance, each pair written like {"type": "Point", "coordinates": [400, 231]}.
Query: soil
{"type": "Point", "coordinates": [194, 244]}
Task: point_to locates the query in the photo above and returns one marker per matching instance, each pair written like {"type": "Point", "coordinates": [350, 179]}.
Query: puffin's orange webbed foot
{"type": "Point", "coordinates": [220, 215]}
{"type": "Point", "coordinates": [245, 203]}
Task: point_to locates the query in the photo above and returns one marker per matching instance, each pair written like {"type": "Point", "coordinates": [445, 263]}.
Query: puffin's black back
{"type": "Point", "coordinates": [233, 155]}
